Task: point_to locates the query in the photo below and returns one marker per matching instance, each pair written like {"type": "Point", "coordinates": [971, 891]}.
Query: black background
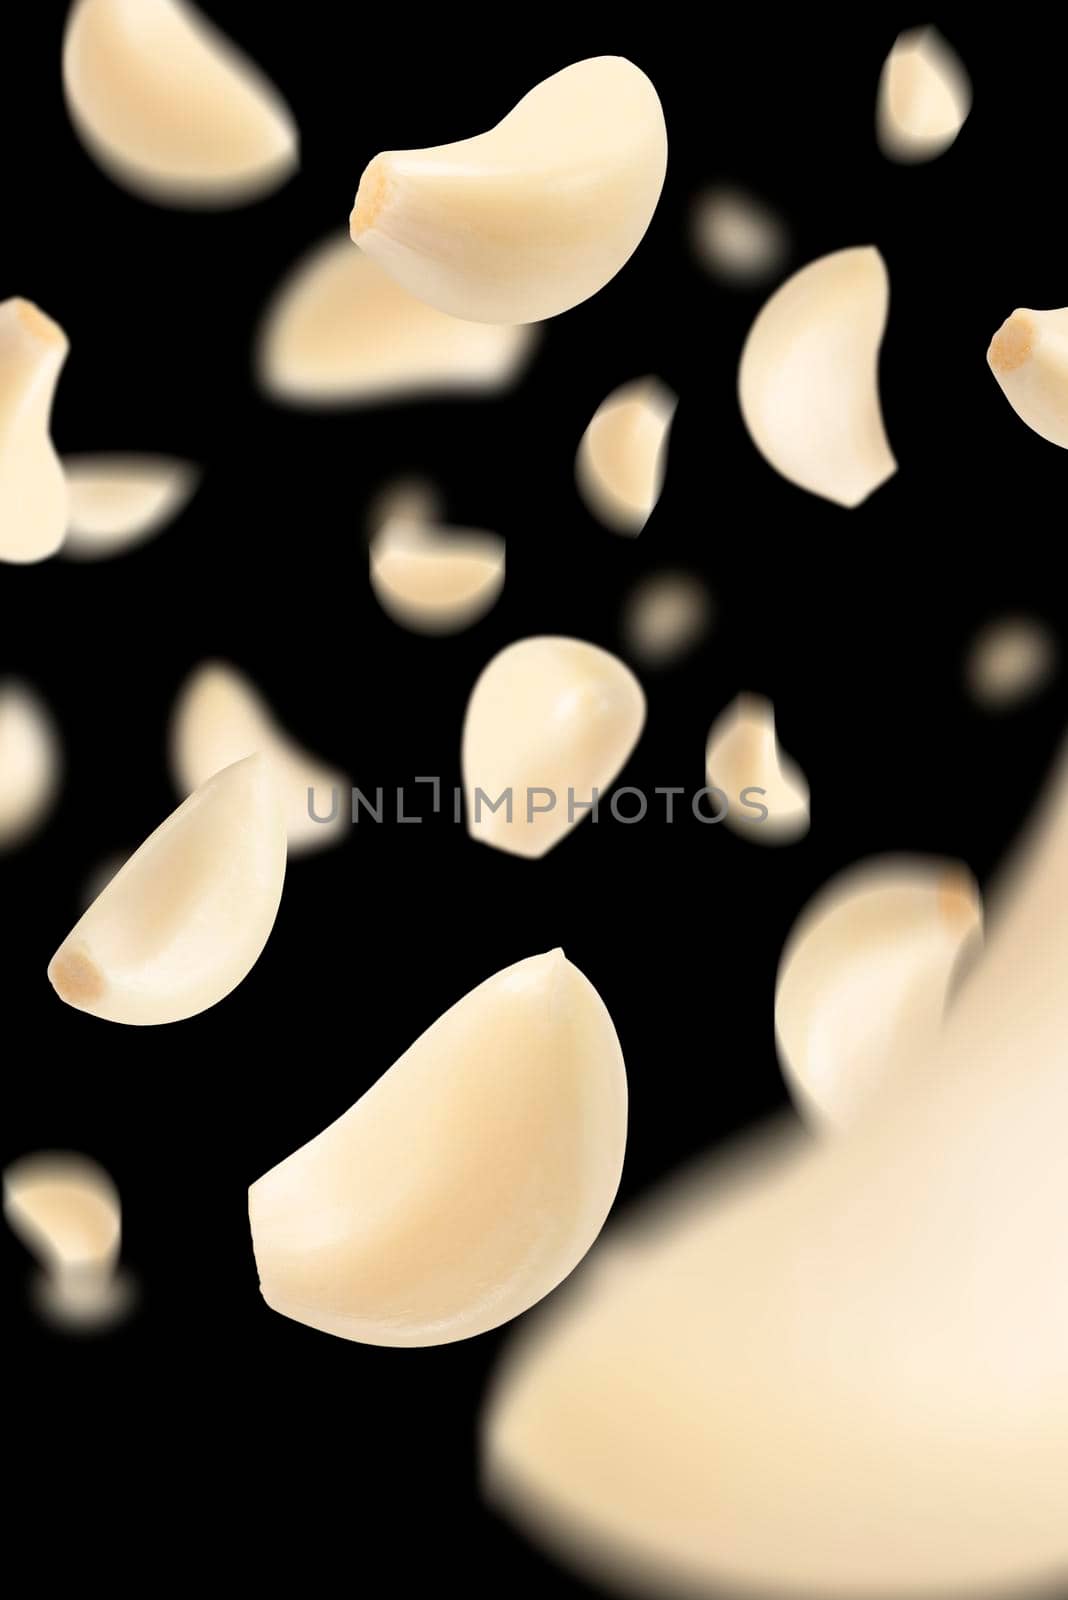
{"type": "Point", "coordinates": [207, 1412]}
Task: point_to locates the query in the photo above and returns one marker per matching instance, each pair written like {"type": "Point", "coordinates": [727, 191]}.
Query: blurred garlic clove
{"type": "Point", "coordinates": [66, 1211]}
{"type": "Point", "coordinates": [808, 381]}
{"type": "Point", "coordinates": [33, 490]}
{"type": "Point", "coordinates": [31, 762]}
{"type": "Point", "coordinates": [187, 917]}
{"type": "Point", "coordinates": [467, 1182]}
{"type": "Point", "coordinates": [1029, 357]}
{"type": "Point", "coordinates": [218, 718]}
{"type": "Point", "coordinates": [549, 725]}
{"type": "Point", "coordinates": [532, 217]}
{"type": "Point", "coordinates": [924, 97]}
{"type": "Point", "coordinates": [865, 979]}
{"type": "Point", "coordinates": [169, 107]}
{"type": "Point", "coordinates": [623, 454]}
{"type": "Point", "coordinates": [117, 502]}
{"type": "Point", "coordinates": [436, 580]}
{"type": "Point", "coordinates": [1010, 661]}
{"type": "Point", "coordinates": [744, 760]}
{"type": "Point", "coordinates": [665, 615]}
{"type": "Point", "coordinates": [408, 500]}
{"type": "Point", "coordinates": [737, 238]}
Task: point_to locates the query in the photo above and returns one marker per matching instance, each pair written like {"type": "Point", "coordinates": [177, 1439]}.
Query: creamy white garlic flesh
{"type": "Point", "coordinates": [1029, 357]}
{"type": "Point", "coordinates": [622, 455]}
{"type": "Point", "coordinates": [467, 1182]}
{"type": "Point", "coordinates": [808, 381]}
{"type": "Point", "coordinates": [65, 1209]}
{"type": "Point", "coordinates": [187, 917]}
{"type": "Point", "coordinates": [31, 762]}
{"type": "Point", "coordinates": [1009, 661]}
{"type": "Point", "coordinates": [33, 490]}
{"type": "Point", "coordinates": [924, 97]}
{"type": "Point", "coordinates": [433, 579]}
{"type": "Point", "coordinates": [665, 615]}
{"type": "Point", "coordinates": [549, 725]}
{"type": "Point", "coordinates": [532, 217]}
{"type": "Point", "coordinates": [170, 108]}
{"type": "Point", "coordinates": [117, 502]}
{"type": "Point", "coordinates": [737, 237]}
{"type": "Point", "coordinates": [744, 760]}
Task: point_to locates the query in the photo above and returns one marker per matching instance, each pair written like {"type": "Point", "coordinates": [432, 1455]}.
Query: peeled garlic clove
{"type": "Point", "coordinates": [410, 500]}
{"type": "Point", "coordinates": [623, 453]}
{"type": "Point", "coordinates": [549, 725]}
{"type": "Point", "coordinates": [30, 762]}
{"type": "Point", "coordinates": [436, 580]}
{"type": "Point", "coordinates": [738, 238]}
{"type": "Point", "coordinates": [744, 760]}
{"type": "Point", "coordinates": [665, 615]}
{"type": "Point", "coordinates": [1029, 357]}
{"type": "Point", "coordinates": [117, 502]}
{"type": "Point", "coordinates": [218, 718]}
{"type": "Point", "coordinates": [467, 1182]}
{"type": "Point", "coordinates": [185, 920]}
{"type": "Point", "coordinates": [169, 107]}
{"type": "Point", "coordinates": [1010, 661]}
{"type": "Point", "coordinates": [33, 491]}
{"type": "Point", "coordinates": [536, 215]}
{"type": "Point", "coordinates": [924, 97]}
{"type": "Point", "coordinates": [808, 382]}
{"type": "Point", "coordinates": [65, 1209]}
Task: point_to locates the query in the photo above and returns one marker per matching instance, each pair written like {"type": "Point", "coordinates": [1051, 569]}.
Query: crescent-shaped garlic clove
{"type": "Point", "coordinates": [924, 97]}
{"type": "Point", "coordinates": [743, 760]}
{"type": "Point", "coordinates": [737, 237]}
{"type": "Point", "coordinates": [436, 580]}
{"type": "Point", "coordinates": [622, 456]}
{"type": "Point", "coordinates": [31, 762]}
{"type": "Point", "coordinates": [33, 490]}
{"type": "Point", "coordinates": [65, 1209]}
{"type": "Point", "coordinates": [118, 502]}
{"type": "Point", "coordinates": [1010, 661]}
{"type": "Point", "coordinates": [1029, 357]}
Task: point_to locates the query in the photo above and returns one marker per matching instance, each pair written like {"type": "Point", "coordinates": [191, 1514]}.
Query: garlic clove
{"type": "Point", "coordinates": [33, 491]}
{"type": "Point", "coordinates": [65, 1209]}
{"type": "Point", "coordinates": [436, 580]}
{"type": "Point", "coordinates": [1010, 661]}
{"type": "Point", "coordinates": [924, 97]}
{"type": "Point", "coordinates": [117, 502]}
{"type": "Point", "coordinates": [31, 762]}
{"type": "Point", "coordinates": [744, 760]}
{"type": "Point", "coordinates": [186, 919]}
{"type": "Point", "coordinates": [737, 238]}
{"type": "Point", "coordinates": [410, 499]}
{"type": "Point", "coordinates": [170, 108]}
{"type": "Point", "coordinates": [666, 614]}
{"type": "Point", "coordinates": [1029, 357]}
{"type": "Point", "coordinates": [808, 381]}
{"type": "Point", "coordinates": [623, 454]}
{"type": "Point", "coordinates": [549, 722]}
{"type": "Point", "coordinates": [467, 1182]}
{"type": "Point", "coordinates": [532, 217]}
{"type": "Point", "coordinates": [218, 718]}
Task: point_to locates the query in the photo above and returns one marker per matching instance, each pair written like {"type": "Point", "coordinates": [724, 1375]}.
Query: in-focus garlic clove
{"type": "Point", "coordinates": [33, 490]}
{"type": "Point", "coordinates": [744, 760]}
{"type": "Point", "coordinates": [66, 1211]}
{"type": "Point", "coordinates": [924, 97]}
{"type": "Point", "coordinates": [117, 502]}
{"type": "Point", "coordinates": [532, 217]}
{"type": "Point", "coordinates": [1029, 357]}
{"type": "Point", "coordinates": [737, 237]}
{"type": "Point", "coordinates": [170, 108]}
{"type": "Point", "coordinates": [30, 762]}
{"type": "Point", "coordinates": [808, 381]}
{"type": "Point", "coordinates": [436, 580]}
{"type": "Point", "coordinates": [665, 615]}
{"type": "Point", "coordinates": [1010, 661]}
{"type": "Point", "coordinates": [186, 919]}
{"type": "Point", "coordinates": [341, 331]}
{"type": "Point", "coordinates": [219, 717]}
{"type": "Point", "coordinates": [467, 1182]}
{"type": "Point", "coordinates": [866, 976]}
{"type": "Point", "coordinates": [622, 455]}
{"type": "Point", "coordinates": [549, 725]}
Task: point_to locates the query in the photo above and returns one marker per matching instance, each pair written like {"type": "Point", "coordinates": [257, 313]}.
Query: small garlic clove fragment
{"type": "Point", "coordinates": [623, 453]}
{"type": "Point", "coordinates": [117, 502]}
{"type": "Point", "coordinates": [436, 580]}
{"type": "Point", "coordinates": [744, 760]}
{"type": "Point", "coordinates": [808, 381]}
{"type": "Point", "coordinates": [1010, 661]}
{"type": "Point", "coordinates": [219, 717]}
{"type": "Point", "coordinates": [1029, 357]}
{"type": "Point", "coordinates": [33, 490]}
{"type": "Point", "coordinates": [65, 1209]}
{"type": "Point", "coordinates": [170, 108]}
{"type": "Point", "coordinates": [409, 500]}
{"type": "Point", "coordinates": [665, 615]}
{"type": "Point", "coordinates": [866, 976]}
{"type": "Point", "coordinates": [30, 762]}
{"type": "Point", "coordinates": [924, 97]}
{"type": "Point", "coordinates": [736, 237]}
{"type": "Point", "coordinates": [532, 217]}
{"type": "Point", "coordinates": [549, 724]}
{"type": "Point", "coordinates": [467, 1182]}
{"type": "Point", "coordinates": [186, 919]}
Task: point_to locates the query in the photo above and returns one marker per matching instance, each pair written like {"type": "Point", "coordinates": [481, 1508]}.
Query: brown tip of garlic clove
{"type": "Point", "coordinates": [75, 978]}
{"type": "Point", "coordinates": [38, 324]}
{"type": "Point", "coordinates": [370, 198]}
{"type": "Point", "coordinates": [1013, 343]}
{"type": "Point", "coordinates": [958, 899]}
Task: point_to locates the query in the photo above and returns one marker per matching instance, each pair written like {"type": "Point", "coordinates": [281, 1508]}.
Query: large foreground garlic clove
{"type": "Point", "coordinates": [665, 615]}
{"type": "Point", "coordinates": [168, 106]}
{"type": "Point", "coordinates": [65, 1209]}
{"type": "Point", "coordinates": [808, 381]}
{"type": "Point", "coordinates": [33, 490]}
{"type": "Point", "coordinates": [185, 920]}
{"type": "Point", "coordinates": [736, 237]}
{"type": "Point", "coordinates": [436, 580]}
{"type": "Point", "coordinates": [1010, 661]}
{"type": "Point", "coordinates": [117, 502]}
{"type": "Point", "coordinates": [218, 718]}
{"type": "Point", "coordinates": [549, 725]}
{"type": "Point", "coordinates": [1029, 357]}
{"type": "Point", "coordinates": [743, 760]}
{"type": "Point", "coordinates": [866, 976]}
{"type": "Point", "coordinates": [622, 455]}
{"type": "Point", "coordinates": [924, 97]}
{"type": "Point", "coordinates": [467, 1182]}
{"type": "Point", "coordinates": [536, 215]}
{"type": "Point", "coordinates": [30, 762]}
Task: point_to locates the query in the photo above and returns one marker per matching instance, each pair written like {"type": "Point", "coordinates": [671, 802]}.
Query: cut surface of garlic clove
{"type": "Point", "coordinates": [1010, 661]}
{"type": "Point", "coordinates": [549, 725]}
{"type": "Point", "coordinates": [532, 217]}
{"type": "Point", "coordinates": [341, 331]}
{"type": "Point", "coordinates": [186, 919]}
{"type": "Point", "coordinates": [665, 615]}
{"type": "Point", "coordinates": [623, 453]}
{"type": "Point", "coordinates": [65, 1209]}
{"type": "Point", "coordinates": [866, 976]}
{"type": "Point", "coordinates": [1029, 357]}
{"type": "Point", "coordinates": [30, 762]}
{"type": "Point", "coordinates": [219, 717]}
{"type": "Point", "coordinates": [436, 580]}
{"type": "Point", "coordinates": [743, 759]}
{"type": "Point", "coordinates": [467, 1182]}
{"type": "Point", "coordinates": [170, 108]}
{"type": "Point", "coordinates": [117, 502]}
{"type": "Point", "coordinates": [924, 97]}
{"type": "Point", "coordinates": [808, 381]}
{"type": "Point", "coordinates": [33, 490]}
{"type": "Point", "coordinates": [737, 237]}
